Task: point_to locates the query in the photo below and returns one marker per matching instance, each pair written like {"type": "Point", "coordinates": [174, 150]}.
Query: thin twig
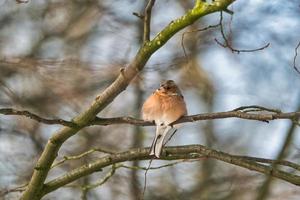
{"type": "Point", "coordinates": [147, 20]}
{"type": "Point", "coordinates": [198, 30]}
{"type": "Point", "coordinates": [140, 16]}
{"type": "Point", "coordinates": [295, 57]}
{"type": "Point", "coordinates": [160, 166]}
{"type": "Point", "coordinates": [11, 111]}
{"type": "Point", "coordinates": [101, 181]}
{"type": "Point", "coordinates": [145, 179]}
{"type": "Point", "coordinates": [117, 166]}
{"type": "Point", "coordinates": [258, 108]}
{"type": "Point", "coordinates": [271, 161]}
{"type": "Point", "coordinates": [229, 46]}
{"type": "Point", "coordinates": [155, 168]}
{"type": "Point", "coordinates": [76, 157]}
{"type": "Point", "coordinates": [20, 188]}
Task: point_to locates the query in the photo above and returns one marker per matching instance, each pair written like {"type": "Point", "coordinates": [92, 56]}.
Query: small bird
{"type": "Point", "coordinates": [164, 107]}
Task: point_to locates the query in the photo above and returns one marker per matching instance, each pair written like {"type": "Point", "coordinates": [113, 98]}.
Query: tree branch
{"type": "Point", "coordinates": [229, 46]}
{"type": "Point", "coordinates": [260, 160]}
{"type": "Point", "coordinates": [295, 58]}
{"type": "Point", "coordinates": [34, 189]}
{"type": "Point", "coordinates": [20, 188]}
{"type": "Point", "coordinates": [253, 112]}
{"type": "Point", "coordinates": [11, 111]}
{"type": "Point", "coordinates": [198, 30]}
{"type": "Point", "coordinates": [271, 161]}
{"type": "Point", "coordinates": [80, 156]}
{"type": "Point", "coordinates": [264, 117]}
{"type": "Point", "coordinates": [172, 153]}
{"type": "Point", "coordinates": [147, 20]}
{"type": "Point", "coordinates": [102, 181]}
{"type": "Point", "coordinates": [84, 188]}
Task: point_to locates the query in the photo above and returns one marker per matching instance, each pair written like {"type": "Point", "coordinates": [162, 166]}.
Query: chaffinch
{"type": "Point", "coordinates": [164, 106]}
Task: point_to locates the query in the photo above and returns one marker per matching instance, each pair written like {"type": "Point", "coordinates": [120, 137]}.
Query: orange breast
{"type": "Point", "coordinates": [164, 108]}
{"type": "Point", "coordinates": [173, 107]}
{"type": "Point", "coordinates": [151, 109]}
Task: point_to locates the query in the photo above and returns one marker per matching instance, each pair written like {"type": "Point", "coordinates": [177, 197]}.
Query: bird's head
{"type": "Point", "coordinates": [169, 87]}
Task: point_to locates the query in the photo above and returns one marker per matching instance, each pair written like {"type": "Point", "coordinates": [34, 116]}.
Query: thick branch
{"type": "Point", "coordinates": [49, 154]}
{"type": "Point", "coordinates": [171, 153]}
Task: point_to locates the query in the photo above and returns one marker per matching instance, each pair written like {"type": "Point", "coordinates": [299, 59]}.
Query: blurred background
{"type": "Point", "coordinates": [56, 56]}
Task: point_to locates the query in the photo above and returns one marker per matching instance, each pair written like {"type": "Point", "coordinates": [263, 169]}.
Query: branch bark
{"type": "Point", "coordinates": [175, 153]}
{"type": "Point", "coordinates": [35, 187]}
{"type": "Point", "coordinates": [266, 116]}
{"type": "Point", "coordinates": [147, 20]}
{"type": "Point", "coordinates": [30, 115]}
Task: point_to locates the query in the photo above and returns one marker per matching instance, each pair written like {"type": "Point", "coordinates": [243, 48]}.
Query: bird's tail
{"type": "Point", "coordinates": [157, 144]}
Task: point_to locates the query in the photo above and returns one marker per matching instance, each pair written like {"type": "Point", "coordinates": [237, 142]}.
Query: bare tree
{"type": "Point", "coordinates": [98, 140]}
